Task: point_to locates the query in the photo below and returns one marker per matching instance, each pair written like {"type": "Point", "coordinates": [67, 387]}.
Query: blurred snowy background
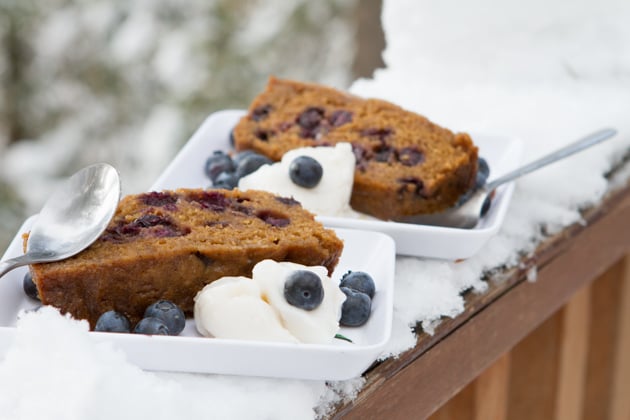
{"type": "Point", "coordinates": [129, 82]}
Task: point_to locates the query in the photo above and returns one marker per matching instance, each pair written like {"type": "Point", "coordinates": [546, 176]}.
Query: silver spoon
{"type": "Point", "coordinates": [467, 215]}
{"type": "Point", "coordinates": [72, 218]}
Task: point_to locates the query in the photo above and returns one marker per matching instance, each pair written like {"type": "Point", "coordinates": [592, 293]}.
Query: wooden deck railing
{"type": "Point", "coordinates": [555, 348]}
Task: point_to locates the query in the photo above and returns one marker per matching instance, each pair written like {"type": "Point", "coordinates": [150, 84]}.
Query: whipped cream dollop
{"type": "Point", "coordinates": [330, 197]}
{"type": "Point", "coordinates": [256, 309]}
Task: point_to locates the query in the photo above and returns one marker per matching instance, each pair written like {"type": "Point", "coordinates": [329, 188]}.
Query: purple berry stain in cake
{"type": "Point", "coordinates": [314, 125]}
{"type": "Point", "coordinates": [289, 201]}
{"type": "Point", "coordinates": [284, 126]}
{"type": "Point", "coordinates": [310, 118]}
{"type": "Point", "coordinates": [217, 224]}
{"type": "Point", "coordinates": [310, 122]}
{"type": "Point", "coordinates": [149, 220]}
{"type": "Point", "coordinates": [384, 153]}
{"type": "Point", "coordinates": [159, 199]}
{"type": "Point", "coordinates": [239, 208]}
{"type": "Point", "coordinates": [410, 156]}
{"type": "Point", "coordinates": [211, 200]}
{"type": "Point", "coordinates": [340, 117]}
{"type": "Point", "coordinates": [382, 134]}
{"type": "Point", "coordinates": [147, 225]}
{"type": "Point", "coordinates": [261, 112]}
{"type": "Point", "coordinates": [165, 226]}
{"type": "Point", "coordinates": [239, 205]}
{"type": "Point", "coordinates": [163, 231]}
{"type": "Point", "coordinates": [263, 135]}
{"type": "Point", "coordinates": [207, 261]}
{"type": "Point", "coordinates": [361, 155]}
{"type": "Point", "coordinates": [412, 183]}
{"type": "Point", "coordinates": [273, 218]}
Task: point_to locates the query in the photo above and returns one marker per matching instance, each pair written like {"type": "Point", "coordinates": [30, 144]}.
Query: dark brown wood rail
{"type": "Point", "coordinates": [554, 348]}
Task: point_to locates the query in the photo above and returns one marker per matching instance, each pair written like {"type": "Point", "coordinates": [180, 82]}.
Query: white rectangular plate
{"type": "Point", "coordinates": [502, 154]}
{"type": "Point", "coordinates": [371, 252]}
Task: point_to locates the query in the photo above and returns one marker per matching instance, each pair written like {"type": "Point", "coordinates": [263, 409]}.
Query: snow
{"type": "Point", "coordinates": [53, 360]}
{"type": "Point", "coordinates": [547, 72]}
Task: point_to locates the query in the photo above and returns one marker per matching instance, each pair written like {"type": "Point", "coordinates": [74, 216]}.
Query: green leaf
{"type": "Point", "coordinates": [343, 337]}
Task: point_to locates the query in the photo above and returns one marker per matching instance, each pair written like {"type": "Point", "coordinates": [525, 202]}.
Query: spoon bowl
{"type": "Point", "coordinates": [466, 215]}
{"type": "Point", "coordinates": [72, 218]}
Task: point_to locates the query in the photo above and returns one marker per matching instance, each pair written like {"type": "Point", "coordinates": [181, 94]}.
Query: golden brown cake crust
{"type": "Point", "coordinates": [405, 163]}
{"type": "Point", "coordinates": [168, 245]}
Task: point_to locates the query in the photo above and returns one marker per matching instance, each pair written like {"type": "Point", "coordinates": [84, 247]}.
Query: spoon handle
{"type": "Point", "coordinates": [572, 148]}
{"type": "Point", "coordinates": [10, 264]}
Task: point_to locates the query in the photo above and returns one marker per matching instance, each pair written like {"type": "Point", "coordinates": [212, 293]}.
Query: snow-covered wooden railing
{"type": "Point", "coordinates": [547, 340]}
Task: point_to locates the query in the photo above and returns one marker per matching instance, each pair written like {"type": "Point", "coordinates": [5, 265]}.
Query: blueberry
{"type": "Point", "coordinates": [151, 326]}
{"type": "Point", "coordinates": [169, 313]}
{"type": "Point", "coordinates": [356, 309]}
{"type": "Point", "coordinates": [483, 171]}
{"type": "Point", "coordinates": [250, 163]}
{"type": "Point", "coordinates": [29, 286]}
{"type": "Point", "coordinates": [305, 171]}
{"type": "Point", "coordinates": [238, 157]}
{"type": "Point", "coordinates": [226, 181]}
{"type": "Point", "coordinates": [112, 321]}
{"type": "Point", "coordinates": [303, 289]}
{"type": "Point", "coordinates": [218, 163]}
{"type": "Point", "coordinates": [358, 281]}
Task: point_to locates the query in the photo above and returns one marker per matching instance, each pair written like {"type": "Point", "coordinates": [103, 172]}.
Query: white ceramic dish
{"type": "Point", "coordinates": [502, 154]}
{"type": "Point", "coordinates": [372, 252]}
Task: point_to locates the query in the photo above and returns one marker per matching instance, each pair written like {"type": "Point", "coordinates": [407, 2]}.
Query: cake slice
{"type": "Point", "coordinates": [170, 244]}
{"type": "Point", "coordinates": [405, 164]}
